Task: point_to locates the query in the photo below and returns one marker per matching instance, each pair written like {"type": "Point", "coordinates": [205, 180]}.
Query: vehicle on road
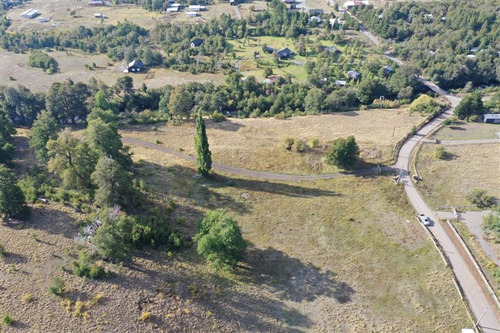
{"type": "Point", "coordinates": [424, 220]}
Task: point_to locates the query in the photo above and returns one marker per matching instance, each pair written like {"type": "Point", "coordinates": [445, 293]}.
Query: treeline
{"type": "Point", "coordinates": [455, 42]}
{"type": "Point", "coordinates": [70, 102]}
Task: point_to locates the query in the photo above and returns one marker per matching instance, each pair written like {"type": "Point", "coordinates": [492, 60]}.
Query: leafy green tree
{"type": "Point", "coordinates": [219, 239]}
{"type": "Point", "coordinates": [113, 184]}
{"type": "Point", "coordinates": [343, 153]}
{"type": "Point", "coordinates": [314, 101]}
{"type": "Point", "coordinates": [368, 90]}
{"type": "Point", "coordinates": [67, 101]}
{"type": "Point", "coordinates": [6, 148]}
{"type": "Point", "coordinates": [203, 154]}
{"type": "Point", "coordinates": [12, 202]}
{"type": "Point", "coordinates": [469, 106]}
{"type": "Point", "coordinates": [103, 137]}
{"type": "Point", "coordinates": [72, 160]}
{"type": "Point", "coordinates": [113, 238]}
{"type": "Point", "coordinates": [425, 104]}
{"type": "Point", "coordinates": [180, 103]}
{"type": "Point", "coordinates": [44, 129]}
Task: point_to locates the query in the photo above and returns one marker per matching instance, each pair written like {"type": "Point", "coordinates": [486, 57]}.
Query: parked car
{"type": "Point", "coordinates": [424, 220]}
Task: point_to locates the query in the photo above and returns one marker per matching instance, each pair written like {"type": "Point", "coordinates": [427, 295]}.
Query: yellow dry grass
{"type": "Point", "coordinates": [72, 66]}
{"type": "Point", "coordinates": [447, 182]}
{"type": "Point", "coordinates": [256, 143]}
{"type": "Point", "coordinates": [344, 248]}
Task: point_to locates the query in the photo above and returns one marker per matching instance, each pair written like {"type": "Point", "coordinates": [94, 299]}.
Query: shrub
{"type": "Point", "coordinates": [57, 287]}
{"type": "Point", "coordinates": [343, 153]}
{"type": "Point", "coordinates": [480, 198]}
{"type": "Point", "coordinates": [43, 60]}
{"type": "Point", "coordinates": [219, 239]}
{"type": "Point", "coordinates": [313, 143]}
{"type": "Point", "coordinates": [27, 298]}
{"type": "Point", "coordinates": [300, 146]}
{"type": "Point", "coordinates": [491, 222]}
{"type": "Point", "coordinates": [287, 143]}
{"type": "Point", "coordinates": [425, 105]}
{"type": "Point", "coordinates": [145, 316]}
{"type": "Point", "coordinates": [218, 117]}
{"type": "Point", "coordinates": [440, 153]}
{"type": "Point", "coordinates": [2, 251]}
{"type": "Point", "coordinates": [7, 320]}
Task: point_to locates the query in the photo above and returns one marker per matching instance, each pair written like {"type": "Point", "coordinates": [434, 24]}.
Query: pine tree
{"type": "Point", "coordinates": [203, 155]}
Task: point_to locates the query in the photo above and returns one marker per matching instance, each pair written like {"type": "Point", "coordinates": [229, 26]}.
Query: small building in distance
{"type": "Point", "coordinates": [331, 49]}
{"type": "Point", "coordinates": [135, 67]}
{"type": "Point", "coordinates": [96, 3]}
{"type": "Point", "coordinates": [350, 4]}
{"type": "Point", "coordinates": [233, 2]}
{"type": "Point", "coordinates": [268, 49]}
{"type": "Point", "coordinates": [172, 9]}
{"type": "Point", "coordinates": [354, 75]}
{"type": "Point", "coordinates": [43, 20]}
{"type": "Point", "coordinates": [284, 53]}
{"type": "Point", "coordinates": [100, 15]}
{"type": "Point", "coordinates": [316, 11]}
{"type": "Point", "coordinates": [197, 8]}
{"type": "Point", "coordinates": [491, 118]}
{"type": "Point", "coordinates": [192, 14]}
{"type": "Point", "coordinates": [196, 42]}
{"type": "Point", "coordinates": [30, 13]}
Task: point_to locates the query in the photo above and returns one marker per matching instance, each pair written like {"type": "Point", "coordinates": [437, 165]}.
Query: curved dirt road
{"type": "Point", "coordinates": [253, 173]}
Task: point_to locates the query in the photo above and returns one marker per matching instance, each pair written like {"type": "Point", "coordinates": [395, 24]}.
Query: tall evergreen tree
{"type": "Point", "coordinates": [203, 154]}
{"type": "Point", "coordinates": [44, 129]}
{"type": "Point", "coordinates": [12, 202]}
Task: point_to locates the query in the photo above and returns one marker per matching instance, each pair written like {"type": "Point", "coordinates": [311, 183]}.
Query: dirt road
{"type": "Point", "coordinates": [253, 173]}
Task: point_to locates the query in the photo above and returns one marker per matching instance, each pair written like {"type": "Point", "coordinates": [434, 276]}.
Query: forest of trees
{"type": "Point", "coordinates": [455, 42]}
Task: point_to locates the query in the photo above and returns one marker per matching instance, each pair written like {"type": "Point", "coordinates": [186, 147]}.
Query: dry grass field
{"type": "Point", "coordinates": [447, 182]}
{"type": "Point", "coordinates": [72, 66]}
{"type": "Point", "coordinates": [336, 255]}
{"type": "Point", "coordinates": [58, 12]}
{"type": "Point", "coordinates": [462, 130]}
{"type": "Point", "coordinates": [256, 143]}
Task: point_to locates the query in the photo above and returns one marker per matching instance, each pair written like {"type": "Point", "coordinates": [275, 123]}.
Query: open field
{"type": "Point", "coordinates": [447, 182]}
{"type": "Point", "coordinates": [462, 130]}
{"type": "Point", "coordinates": [336, 255]}
{"type": "Point", "coordinates": [72, 66]}
{"type": "Point", "coordinates": [256, 143]}
{"type": "Point", "coordinates": [58, 12]}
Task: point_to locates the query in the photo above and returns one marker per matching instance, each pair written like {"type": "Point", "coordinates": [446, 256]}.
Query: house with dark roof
{"type": "Point", "coordinates": [284, 53]}
{"type": "Point", "coordinates": [135, 67]}
{"type": "Point", "coordinates": [197, 42]}
{"type": "Point", "coordinates": [316, 11]}
{"type": "Point", "coordinates": [354, 75]}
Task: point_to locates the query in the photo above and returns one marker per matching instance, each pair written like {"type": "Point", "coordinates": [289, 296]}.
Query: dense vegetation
{"type": "Point", "coordinates": [456, 42]}
{"type": "Point", "coordinates": [44, 61]}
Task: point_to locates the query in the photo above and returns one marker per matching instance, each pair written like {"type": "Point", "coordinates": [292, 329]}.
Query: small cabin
{"type": "Point", "coordinates": [197, 42]}
{"type": "Point", "coordinates": [135, 67]}
{"type": "Point", "coordinates": [354, 75]}
{"type": "Point", "coordinates": [192, 14]}
{"type": "Point", "coordinates": [233, 2]}
{"type": "Point", "coordinates": [96, 3]}
{"type": "Point", "coordinates": [30, 13]}
{"type": "Point", "coordinates": [284, 53]}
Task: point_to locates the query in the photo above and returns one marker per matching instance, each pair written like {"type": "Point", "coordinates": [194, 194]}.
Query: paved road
{"type": "Point", "coordinates": [476, 292]}
{"type": "Point", "coordinates": [253, 173]}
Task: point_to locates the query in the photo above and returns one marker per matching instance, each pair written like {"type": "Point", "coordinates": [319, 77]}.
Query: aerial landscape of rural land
{"type": "Point", "coordinates": [250, 166]}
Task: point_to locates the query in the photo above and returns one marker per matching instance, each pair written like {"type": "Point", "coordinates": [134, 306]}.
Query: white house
{"type": "Point", "coordinates": [30, 13]}
{"type": "Point", "coordinates": [197, 8]}
{"type": "Point", "coordinates": [192, 14]}
{"type": "Point", "coordinates": [172, 9]}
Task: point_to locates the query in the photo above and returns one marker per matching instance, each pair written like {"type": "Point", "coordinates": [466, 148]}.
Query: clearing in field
{"type": "Point", "coordinates": [79, 67]}
{"type": "Point", "coordinates": [461, 130]}
{"type": "Point", "coordinates": [446, 182]}
{"type": "Point", "coordinates": [257, 143]}
{"type": "Point", "coordinates": [336, 255]}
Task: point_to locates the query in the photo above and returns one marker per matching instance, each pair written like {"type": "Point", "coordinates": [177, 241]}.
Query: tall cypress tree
{"type": "Point", "coordinates": [203, 155]}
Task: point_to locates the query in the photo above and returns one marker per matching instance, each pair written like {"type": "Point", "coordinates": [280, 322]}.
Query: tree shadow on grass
{"type": "Point", "coordinates": [240, 307]}
{"type": "Point", "coordinates": [291, 279]}
{"type": "Point", "coordinates": [227, 125]}
{"type": "Point", "coordinates": [273, 187]}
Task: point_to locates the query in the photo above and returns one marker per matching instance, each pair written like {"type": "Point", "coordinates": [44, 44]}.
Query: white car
{"type": "Point", "coordinates": [424, 219]}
